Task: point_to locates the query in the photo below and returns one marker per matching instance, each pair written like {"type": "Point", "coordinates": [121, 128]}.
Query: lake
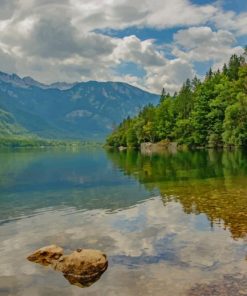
{"type": "Point", "coordinates": [171, 224]}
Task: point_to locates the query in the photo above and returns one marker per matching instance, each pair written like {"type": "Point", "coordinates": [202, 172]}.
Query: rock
{"type": "Point", "coordinates": [122, 148]}
{"type": "Point", "coordinates": [82, 281]}
{"type": "Point", "coordinates": [82, 268]}
{"type": "Point", "coordinates": [83, 262]}
{"type": "Point", "coordinates": [163, 146]}
{"type": "Point", "coordinates": [46, 255]}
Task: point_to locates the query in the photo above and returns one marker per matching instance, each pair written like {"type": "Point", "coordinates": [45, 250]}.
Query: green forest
{"type": "Point", "coordinates": [36, 142]}
{"type": "Point", "coordinates": [207, 113]}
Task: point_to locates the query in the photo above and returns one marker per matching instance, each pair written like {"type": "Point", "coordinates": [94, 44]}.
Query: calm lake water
{"type": "Point", "coordinates": [172, 224]}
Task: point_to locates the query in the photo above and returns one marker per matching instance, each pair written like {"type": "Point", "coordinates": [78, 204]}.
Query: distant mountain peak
{"type": "Point", "coordinates": [12, 78]}
{"type": "Point", "coordinates": [81, 110]}
{"type": "Point", "coordinates": [31, 82]}
{"type": "Point", "coordinates": [28, 81]}
{"type": "Point", "coordinates": [62, 85]}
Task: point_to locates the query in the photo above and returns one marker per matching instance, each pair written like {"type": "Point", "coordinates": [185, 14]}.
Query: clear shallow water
{"type": "Point", "coordinates": [170, 224]}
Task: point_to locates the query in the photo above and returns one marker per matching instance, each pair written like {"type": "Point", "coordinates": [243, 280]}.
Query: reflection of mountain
{"type": "Point", "coordinates": [33, 180]}
{"type": "Point", "coordinates": [213, 183]}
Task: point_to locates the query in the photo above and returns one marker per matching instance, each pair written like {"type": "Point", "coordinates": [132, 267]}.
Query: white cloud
{"type": "Point", "coordinates": [203, 36]}
{"type": "Point", "coordinates": [133, 49]}
{"type": "Point", "coordinates": [57, 40]}
{"type": "Point", "coordinates": [201, 44]}
{"type": "Point", "coordinates": [7, 8]}
{"type": "Point", "coordinates": [125, 13]}
{"type": "Point", "coordinates": [7, 62]}
{"type": "Point", "coordinates": [171, 76]}
{"type": "Point", "coordinates": [229, 20]}
{"type": "Point", "coordinates": [178, 12]}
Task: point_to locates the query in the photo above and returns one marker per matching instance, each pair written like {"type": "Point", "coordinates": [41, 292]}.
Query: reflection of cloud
{"type": "Point", "coordinates": [164, 244]}
{"type": "Point", "coordinates": [202, 182]}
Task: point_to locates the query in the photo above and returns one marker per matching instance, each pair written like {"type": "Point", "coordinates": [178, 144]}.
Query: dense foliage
{"type": "Point", "coordinates": [210, 113]}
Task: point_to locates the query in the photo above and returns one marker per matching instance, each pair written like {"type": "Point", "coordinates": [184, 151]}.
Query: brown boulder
{"type": "Point", "coordinates": [83, 262]}
{"type": "Point", "coordinates": [83, 281]}
{"type": "Point", "coordinates": [46, 255]}
{"type": "Point", "coordinates": [81, 268]}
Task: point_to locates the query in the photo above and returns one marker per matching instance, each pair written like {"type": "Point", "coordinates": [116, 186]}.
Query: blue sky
{"type": "Point", "coordinates": [165, 36]}
{"type": "Point", "coordinates": [150, 44]}
{"type": "Point", "coordinates": [236, 5]}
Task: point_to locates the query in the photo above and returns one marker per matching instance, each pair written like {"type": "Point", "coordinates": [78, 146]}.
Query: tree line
{"type": "Point", "coordinates": [204, 113]}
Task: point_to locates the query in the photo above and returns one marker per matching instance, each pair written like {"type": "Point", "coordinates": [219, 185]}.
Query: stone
{"type": "Point", "coordinates": [83, 281]}
{"type": "Point", "coordinates": [46, 255]}
{"type": "Point", "coordinates": [82, 262]}
{"type": "Point", "coordinates": [122, 148]}
{"type": "Point", "coordinates": [82, 267]}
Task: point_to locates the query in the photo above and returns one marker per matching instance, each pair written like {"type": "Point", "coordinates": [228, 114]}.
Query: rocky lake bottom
{"type": "Point", "coordinates": [170, 224]}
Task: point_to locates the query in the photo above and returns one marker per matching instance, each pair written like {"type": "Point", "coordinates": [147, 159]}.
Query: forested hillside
{"type": "Point", "coordinates": [85, 111]}
{"type": "Point", "coordinates": [211, 113]}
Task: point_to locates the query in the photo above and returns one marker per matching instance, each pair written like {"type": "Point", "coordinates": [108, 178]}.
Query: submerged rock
{"type": "Point", "coordinates": [228, 285]}
{"type": "Point", "coordinates": [46, 255]}
{"type": "Point", "coordinates": [82, 268]}
{"type": "Point", "coordinates": [83, 262]}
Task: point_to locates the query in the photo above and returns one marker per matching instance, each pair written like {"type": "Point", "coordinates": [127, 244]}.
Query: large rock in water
{"type": "Point", "coordinates": [46, 255]}
{"type": "Point", "coordinates": [82, 262]}
{"type": "Point", "coordinates": [81, 268]}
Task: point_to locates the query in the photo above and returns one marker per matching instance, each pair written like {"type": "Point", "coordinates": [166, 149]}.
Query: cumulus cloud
{"type": "Point", "coordinates": [202, 44]}
{"type": "Point", "coordinates": [133, 49]}
{"type": "Point", "coordinates": [156, 13]}
{"type": "Point", "coordinates": [178, 12]}
{"type": "Point", "coordinates": [171, 76]}
{"type": "Point", "coordinates": [7, 62]}
{"type": "Point", "coordinates": [60, 40]}
{"type": "Point", "coordinates": [229, 20]}
{"type": "Point", "coordinates": [7, 8]}
{"type": "Point", "coordinates": [203, 36]}
{"type": "Point", "coordinates": [57, 38]}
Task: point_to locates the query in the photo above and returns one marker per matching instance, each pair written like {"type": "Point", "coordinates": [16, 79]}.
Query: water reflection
{"type": "Point", "coordinates": [209, 182]}
{"type": "Point", "coordinates": [229, 285]}
{"type": "Point", "coordinates": [173, 223]}
{"type": "Point", "coordinates": [33, 180]}
{"type": "Point", "coordinates": [150, 248]}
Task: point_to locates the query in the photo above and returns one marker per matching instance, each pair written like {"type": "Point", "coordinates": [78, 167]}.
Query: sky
{"type": "Point", "coordinates": [147, 43]}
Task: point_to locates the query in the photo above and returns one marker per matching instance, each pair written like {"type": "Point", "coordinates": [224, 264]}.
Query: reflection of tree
{"type": "Point", "coordinates": [223, 201]}
{"type": "Point", "coordinates": [213, 183]}
{"type": "Point", "coordinates": [13, 164]}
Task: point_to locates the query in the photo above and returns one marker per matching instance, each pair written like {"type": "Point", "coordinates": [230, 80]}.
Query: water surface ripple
{"type": "Point", "coordinates": [173, 222]}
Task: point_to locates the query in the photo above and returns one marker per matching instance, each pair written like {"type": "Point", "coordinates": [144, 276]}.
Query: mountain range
{"type": "Point", "coordinates": [80, 110]}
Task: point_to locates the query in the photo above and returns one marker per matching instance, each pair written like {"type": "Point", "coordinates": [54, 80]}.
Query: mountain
{"type": "Point", "coordinates": [8, 125]}
{"type": "Point", "coordinates": [29, 81]}
{"type": "Point", "coordinates": [62, 85]}
{"type": "Point", "coordinates": [86, 110]}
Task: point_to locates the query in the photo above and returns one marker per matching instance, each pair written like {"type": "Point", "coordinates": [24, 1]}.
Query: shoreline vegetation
{"type": "Point", "coordinates": [211, 113]}
{"type": "Point", "coordinates": [29, 142]}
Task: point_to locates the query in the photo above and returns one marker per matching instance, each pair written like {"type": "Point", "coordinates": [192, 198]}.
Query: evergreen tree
{"type": "Point", "coordinates": [212, 112]}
